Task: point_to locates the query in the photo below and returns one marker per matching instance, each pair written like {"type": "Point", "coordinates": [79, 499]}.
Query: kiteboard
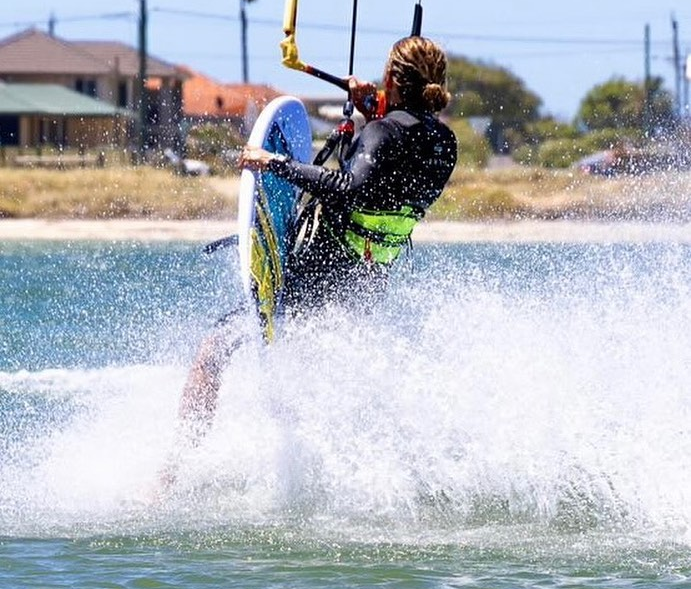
{"type": "Point", "coordinates": [267, 208]}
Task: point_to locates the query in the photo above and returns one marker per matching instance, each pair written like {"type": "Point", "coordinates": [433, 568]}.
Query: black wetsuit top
{"type": "Point", "coordinates": [403, 159]}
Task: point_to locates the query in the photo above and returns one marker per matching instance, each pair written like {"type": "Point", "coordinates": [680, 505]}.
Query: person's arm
{"type": "Point", "coordinates": [376, 146]}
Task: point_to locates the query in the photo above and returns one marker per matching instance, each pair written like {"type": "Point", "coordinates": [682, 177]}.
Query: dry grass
{"type": "Point", "coordinates": [512, 193]}
{"type": "Point", "coordinates": [504, 194]}
{"type": "Point", "coordinates": [111, 193]}
{"type": "Point", "coordinates": [520, 192]}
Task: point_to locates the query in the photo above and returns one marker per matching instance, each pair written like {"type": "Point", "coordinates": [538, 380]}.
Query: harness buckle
{"type": "Point", "coordinates": [367, 253]}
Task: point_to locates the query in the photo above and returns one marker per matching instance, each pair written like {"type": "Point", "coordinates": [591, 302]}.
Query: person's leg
{"type": "Point", "coordinates": [200, 394]}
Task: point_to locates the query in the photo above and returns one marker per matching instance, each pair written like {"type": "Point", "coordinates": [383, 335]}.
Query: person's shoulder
{"type": "Point", "coordinates": [447, 131]}
{"type": "Point", "coordinates": [402, 115]}
{"type": "Point", "coordinates": [400, 118]}
{"type": "Point", "coordinates": [408, 119]}
{"type": "Point", "coordinates": [439, 129]}
{"type": "Point", "coordinates": [394, 126]}
{"type": "Point", "coordinates": [403, 121]}
{"type": "Point", "coordinates": [382, 130]}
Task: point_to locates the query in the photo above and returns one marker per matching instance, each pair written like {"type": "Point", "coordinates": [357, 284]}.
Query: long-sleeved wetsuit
{"type": "Point", "coordinates": [398, 163]}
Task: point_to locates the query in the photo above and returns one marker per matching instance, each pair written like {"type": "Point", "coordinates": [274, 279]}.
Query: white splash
{"type": "Point", "coordinates": [467, 404]}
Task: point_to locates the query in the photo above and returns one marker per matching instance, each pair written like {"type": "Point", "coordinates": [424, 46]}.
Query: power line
{"type": "Point", "coordinates": [104, 16]}
{"type": "Point", "coordinates": [330, 27]}
{"type": "Point", "coordinates": [378, 58]}
{"type": "Point", "coordinates": [80, 18]}
{"type": "Point", "coordinates": [566, 52]}
{"type": "Point", "coordinates": [541, 40]}
{"type": "Point", "coordinates": [384, 31]}
{"type": "Point", "coordinates": [195, 14]}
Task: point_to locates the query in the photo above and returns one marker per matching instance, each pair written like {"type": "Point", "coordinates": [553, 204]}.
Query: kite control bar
{"type": "Point", "coordinates": [376, 105]}
{"type": "Point", "coordinates": [289, 47]}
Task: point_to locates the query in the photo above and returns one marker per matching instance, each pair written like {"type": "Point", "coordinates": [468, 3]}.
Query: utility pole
{"type": "Point", "coordinates": [141, 82]}
{"type": "Point", "coordinates": [686, 84]}
{"type": "Point", "coordinates": [243, 26]}
{"type": "Point", "coordinates": [648, 105]}
{"type": "Point", "coordinates": [243, 36]}
{"type": "Point", "coordinates": [51, 24]}
{"type": "Point", "coordinates": [677, 64]}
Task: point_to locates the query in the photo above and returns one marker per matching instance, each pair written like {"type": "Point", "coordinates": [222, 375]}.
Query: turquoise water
{"type": "Point", "coordinates": [516, 416]}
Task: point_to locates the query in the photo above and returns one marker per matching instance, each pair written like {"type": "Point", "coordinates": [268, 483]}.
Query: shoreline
{"type": "Point", "coordinates": [556, 231]}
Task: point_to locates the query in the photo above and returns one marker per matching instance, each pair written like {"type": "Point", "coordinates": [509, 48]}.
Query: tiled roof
{"type": "Point", "coordinates": [203, 96]}
{"type": "Point", "coordinates": [35, 52]}
{"type": "Point", "coordinates": [126, 59]}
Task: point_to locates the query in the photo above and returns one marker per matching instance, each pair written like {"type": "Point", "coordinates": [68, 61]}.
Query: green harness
{"type": "Point", "coordinates": [379, 236]}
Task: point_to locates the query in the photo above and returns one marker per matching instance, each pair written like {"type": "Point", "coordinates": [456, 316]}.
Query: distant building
{"type": "Point", "coordinates": [207, 101]}
{"type": "Point", "coordinates": [102, 79]}
{"type": "Point", "coordinates": [103, 71]}
{"type": "Point", "coordinates": [33, 115]}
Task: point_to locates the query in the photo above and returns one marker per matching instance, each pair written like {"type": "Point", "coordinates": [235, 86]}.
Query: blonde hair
{"type": "Point", "coordinates": [417, 67]}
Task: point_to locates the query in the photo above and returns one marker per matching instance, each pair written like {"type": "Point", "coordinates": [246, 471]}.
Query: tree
{"type": "Point", "coordinates": [479, 89]}
{"type": "Point", "coordinates": [621, 104]}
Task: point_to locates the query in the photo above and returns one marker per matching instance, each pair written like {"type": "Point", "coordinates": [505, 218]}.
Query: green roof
{"type": "Point", "coordinates": [52, 99]}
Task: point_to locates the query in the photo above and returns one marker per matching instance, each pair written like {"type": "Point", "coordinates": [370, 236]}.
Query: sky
{"type": "Point", "coordinates": [559, 48]}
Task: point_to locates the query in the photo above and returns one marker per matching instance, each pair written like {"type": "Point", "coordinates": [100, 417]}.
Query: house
{"type": "Point", "coordinates": [39, 114]}
{"type": "Point", "coordinates": [163, 86]}
{"type": "Point", "coordinates": [99, 103]}
{"type": "Point", "coordinates": [105, 72]}
{"type": "Point", "coordinates": [207, 101]}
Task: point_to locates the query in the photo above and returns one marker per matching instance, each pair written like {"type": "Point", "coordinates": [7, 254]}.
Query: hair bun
{"type": "Point", "coordinates": [436, 98]}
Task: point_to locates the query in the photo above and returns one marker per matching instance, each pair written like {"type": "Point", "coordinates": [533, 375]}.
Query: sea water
{"type": "Point", "coordinates": [515, 415]}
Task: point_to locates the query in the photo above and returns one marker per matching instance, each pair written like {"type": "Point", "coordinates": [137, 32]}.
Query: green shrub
{"type": "Point", "coordinates": [526, 155]}
{"type": "Point", "coordinates": [562, 153]}
{"type": "Point", "coordinates": [559, 153]}
{"type": "Point", "coordinates": [473, 149]}
{"type": "Point", "coordinates": [609, 139]}
{"type": "Point", "coordinates": [212, 140]}
{"type": "Point", "coordinates": [545, 129]}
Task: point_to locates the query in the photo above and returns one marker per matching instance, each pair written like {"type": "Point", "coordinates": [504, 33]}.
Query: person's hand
{"type": "Point", "coordinates": [364, 96]}
{"type": "Point", "coordinates": [255, 158]}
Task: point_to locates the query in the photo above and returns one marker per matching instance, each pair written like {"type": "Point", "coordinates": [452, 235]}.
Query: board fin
{"type": "Point", "coordinates": [219, 244]}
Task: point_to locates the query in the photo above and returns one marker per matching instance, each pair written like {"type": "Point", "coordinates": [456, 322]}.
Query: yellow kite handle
{"type": "Point", "coordinates": [289, 49]}
{"type": "Point", "coordinates": [290, 17]}
{"type": "Point", "coordinates": [289, 45]}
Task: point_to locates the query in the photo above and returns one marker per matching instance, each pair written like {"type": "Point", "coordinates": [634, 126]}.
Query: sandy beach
{"type": "Point", "coordinates": [441, 232]}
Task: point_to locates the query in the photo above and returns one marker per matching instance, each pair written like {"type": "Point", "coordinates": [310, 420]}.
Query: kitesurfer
{"type": "Point", "coordinates": [395, 170]}
{"type": "Point", "coordinates": [364, 214]}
